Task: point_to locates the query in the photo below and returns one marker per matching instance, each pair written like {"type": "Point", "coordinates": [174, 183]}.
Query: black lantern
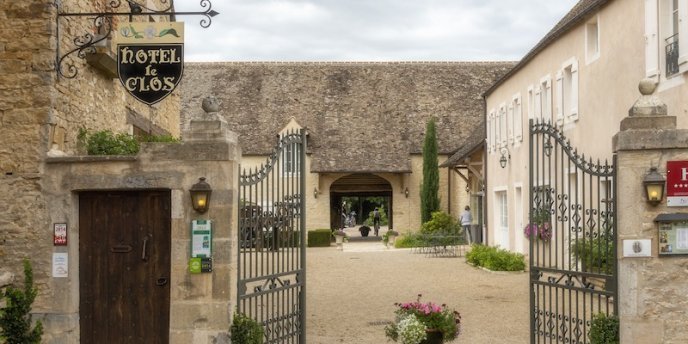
{"type": "Point", "coordinates": [506, 156]}
{"type": "Point", "coordinates": [406, 192]}
{"type": "Point", "coordinates": [654, 186]}
{"type": "Point", "coordinates": [200, 195]}
{"type": "Point", "coordinates": [547, 147]}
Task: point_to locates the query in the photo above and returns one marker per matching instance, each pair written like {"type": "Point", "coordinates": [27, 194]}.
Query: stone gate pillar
{"type": "Point", "coordinates": [652, 290]}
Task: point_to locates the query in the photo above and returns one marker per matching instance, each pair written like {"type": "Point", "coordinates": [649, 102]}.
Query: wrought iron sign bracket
{"type": "Point", "coordinates": [103, 26]}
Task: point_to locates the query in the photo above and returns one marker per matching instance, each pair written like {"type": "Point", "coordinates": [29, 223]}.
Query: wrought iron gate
{"type": "Point", "coordinates": [572, 231]}
{"type": "Point", "coordinates": [272, 256]}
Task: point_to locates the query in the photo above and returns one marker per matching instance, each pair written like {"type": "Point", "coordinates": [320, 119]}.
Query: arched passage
{"type": "Point", "coordinates": [360, 185]}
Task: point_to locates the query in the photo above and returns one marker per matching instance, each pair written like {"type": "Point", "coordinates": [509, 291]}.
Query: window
{"type": "Point", "coordinates": [570, 90]}
{"type": "Point", "coordinates": [671, 41]}
{"type": "Point", "coordinates": [503, 209]}
{"type": "Point", "coordinates": [666, 38]}
{"type": "Point", "coordinates": [546, 98]}
{"type": "Point", "coordinates": [592, 40]}
{"type": "Point", "coordinates": [290, 159]}
{"type": "Point", "coordinates": [517, 118]}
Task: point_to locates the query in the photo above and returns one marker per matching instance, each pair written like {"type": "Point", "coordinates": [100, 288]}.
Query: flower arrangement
{"type": "Point", "coordinates": [415, 321]}
{"type": "Point", "coordinates": [540, 228]}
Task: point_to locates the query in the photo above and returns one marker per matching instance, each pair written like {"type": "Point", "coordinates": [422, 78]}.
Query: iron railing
{"type": "Point", "coordinates": [671, 55]}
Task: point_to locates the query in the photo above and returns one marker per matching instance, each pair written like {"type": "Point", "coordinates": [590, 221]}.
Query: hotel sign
{"type": "Point", "coordinates": [150, 59]}
{"type": "Point", "coordinates": [677, 183]}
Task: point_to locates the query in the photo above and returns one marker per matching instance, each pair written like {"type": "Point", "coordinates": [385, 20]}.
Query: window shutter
{"type": "Point", "coordinates": [559, 99]}
{"type": "Point", "coordinates": [651, 39]}
{"type": "Point", "coordinates": [488, 139]}
{"type": "Point", "coordinates": [518, 119]}
{"type": "Point", "coordinates": [502, 125]}
{"type": "Point", "coordinates": [538, 103]}
{"type": "Point", "coordinates": [510, 121]}
{"type": "Point", "coordinates": [573, 107]}
{"type": "Point", "coordinates": [682, 35]}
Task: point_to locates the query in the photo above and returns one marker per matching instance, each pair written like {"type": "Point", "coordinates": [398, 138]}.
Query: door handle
{"type": "Point", "coordinates": [161, 281]}
{"type": "Point", "coordinates": [143, 251]}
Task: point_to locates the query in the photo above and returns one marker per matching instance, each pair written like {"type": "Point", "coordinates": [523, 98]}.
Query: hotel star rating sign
{"type": "Point", "coordinates": [677, 183]}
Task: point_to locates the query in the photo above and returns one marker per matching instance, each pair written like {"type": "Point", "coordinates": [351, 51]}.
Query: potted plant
{"type": "Point", "coordinates": [364, 231]}
{"type": "Point", "coordinates": [423, 323]}
{"type": "Point", "coordinates": [540, 228]}
{"type": "Point", "coordinates": [339, 237]}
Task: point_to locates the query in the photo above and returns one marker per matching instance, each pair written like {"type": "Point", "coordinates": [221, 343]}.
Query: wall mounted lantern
{"type": "Point", "coordinates": [315, 192]}
{"type": "Point", "coordinates": [406, 192]}
{"type": "Point", "coordinates": [506, 156]}
{"type": "Point", "coordinates": [547, 147]}
{"type": "Point", "coordinates": [200, 195]}
{"type": "Point", "coordinates": [654, 186]}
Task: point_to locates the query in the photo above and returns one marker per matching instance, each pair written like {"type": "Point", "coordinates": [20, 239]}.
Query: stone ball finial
{"type": "Point", "coordinates": [210, 104]}
{"type": "Point", "coordinates": [648, 104]}
{"type": "Point", "coordinates": [647, 86]}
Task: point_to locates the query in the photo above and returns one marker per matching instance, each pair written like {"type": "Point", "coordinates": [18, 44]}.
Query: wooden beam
{"type": "Point", "coordinates": [465, 178]}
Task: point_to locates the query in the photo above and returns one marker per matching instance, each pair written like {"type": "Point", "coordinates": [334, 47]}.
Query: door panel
{"type": "Point", "coordinates": [124, 256]}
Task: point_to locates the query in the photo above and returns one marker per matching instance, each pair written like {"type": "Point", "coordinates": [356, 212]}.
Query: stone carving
{"type": "Point", "coordinates": [210, 104]}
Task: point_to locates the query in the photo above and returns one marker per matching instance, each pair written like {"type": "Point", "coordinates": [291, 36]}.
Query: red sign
{"type": "Point", "coordinates": [677, 178]}
{"type": "Point", "coordinates": [60, 234]}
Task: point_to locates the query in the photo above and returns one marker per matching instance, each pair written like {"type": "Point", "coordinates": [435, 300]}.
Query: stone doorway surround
{"type": "Point", "coordinates": [201, 305]}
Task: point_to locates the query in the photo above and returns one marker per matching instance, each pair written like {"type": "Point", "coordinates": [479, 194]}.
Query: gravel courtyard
{"type": "Point", "coordinates": [351, 294]}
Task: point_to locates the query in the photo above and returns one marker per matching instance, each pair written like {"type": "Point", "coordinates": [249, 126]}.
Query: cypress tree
{"type": "Point", "coordinates": [429, 201]}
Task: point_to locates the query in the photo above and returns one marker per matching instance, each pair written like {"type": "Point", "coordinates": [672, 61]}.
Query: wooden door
{"type": "Point", "coordinates": [124, 266]}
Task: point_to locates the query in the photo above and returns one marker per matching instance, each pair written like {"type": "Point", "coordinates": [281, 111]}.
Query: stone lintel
{"type": "Point", "coordinates": [645, 139]}
{"type": "Point", "coordinates": [646, 122]}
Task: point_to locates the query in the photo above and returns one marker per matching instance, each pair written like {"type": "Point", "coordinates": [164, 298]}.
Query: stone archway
{"type": "Point", "coordinates": [359, 185]}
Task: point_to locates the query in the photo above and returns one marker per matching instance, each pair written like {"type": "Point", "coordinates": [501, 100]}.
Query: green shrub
{"type": "Point", "coordinates": [105, 142]}
{"type": "Point", "coordinates": [158, 138]}
{"type": "Point", "coordinates": [595, 255]}
{"type": "Point", "coordinates": [15, 317]}
{"type": "Point", "coordinates": [441, 223]}
{"type": "Point", "coordinates": [604, 329]}
{"type": "Point", "coordinates": [495, 259]}
{"type": "Point", "coordinates": [245, 330]}
{"type": "Point", "coordinates": [408, 240]}
{"type": "Point", "coordinates": [319, 238]}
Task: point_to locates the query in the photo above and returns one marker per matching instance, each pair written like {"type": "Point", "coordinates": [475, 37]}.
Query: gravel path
{"type": "Point", "coordinates": [351, 294]}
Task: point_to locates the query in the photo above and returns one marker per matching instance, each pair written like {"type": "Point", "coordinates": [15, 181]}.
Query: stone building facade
{"type": "Point", "coordinates": [41, 114]}
{"type": "Point", "coordinates": [364, 120]}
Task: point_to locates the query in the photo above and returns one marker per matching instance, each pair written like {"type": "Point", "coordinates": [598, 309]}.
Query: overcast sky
{"type": "Point", "coordinates": [369, 30]}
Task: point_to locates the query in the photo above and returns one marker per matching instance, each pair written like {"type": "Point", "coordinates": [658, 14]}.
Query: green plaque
{"type": "Point", "coordinates": [201, 238]}
{"type": "Point", "coordinates": [195, 265]}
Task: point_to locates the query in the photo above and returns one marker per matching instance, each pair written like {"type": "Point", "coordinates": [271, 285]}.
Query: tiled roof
{"type": "Point", "coordinates": [469, 146]}
{"type": "Point", "coordinates": [361, 116]}
{"type": "Point", "coordinates": [578, 13]}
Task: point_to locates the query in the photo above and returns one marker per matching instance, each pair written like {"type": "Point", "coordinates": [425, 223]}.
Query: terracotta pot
{"type": "Point", "coordinates": [433, 337]}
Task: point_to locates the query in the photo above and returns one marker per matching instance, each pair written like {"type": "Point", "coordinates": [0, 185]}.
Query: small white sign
{"type": "Point", "coordinates": [637, 248]}
{"type": "Point", "coordinates": [677, 201]}
{"type": "Point", "coordinates": [60, 264]}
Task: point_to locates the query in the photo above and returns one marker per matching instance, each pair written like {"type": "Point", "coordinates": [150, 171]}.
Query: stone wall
{"type": "Point", "coordinates": [652, 290]}
{"type": "Point", "coordinates": [200, 305]}
{"type": "Point", "coordinates": [40, 111]}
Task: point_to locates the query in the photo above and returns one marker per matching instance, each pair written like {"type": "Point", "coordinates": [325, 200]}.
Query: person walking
{"type": "Point", "coordinates": [376, 221]}
{"type": "Point", "coordinates": [466, 219]}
